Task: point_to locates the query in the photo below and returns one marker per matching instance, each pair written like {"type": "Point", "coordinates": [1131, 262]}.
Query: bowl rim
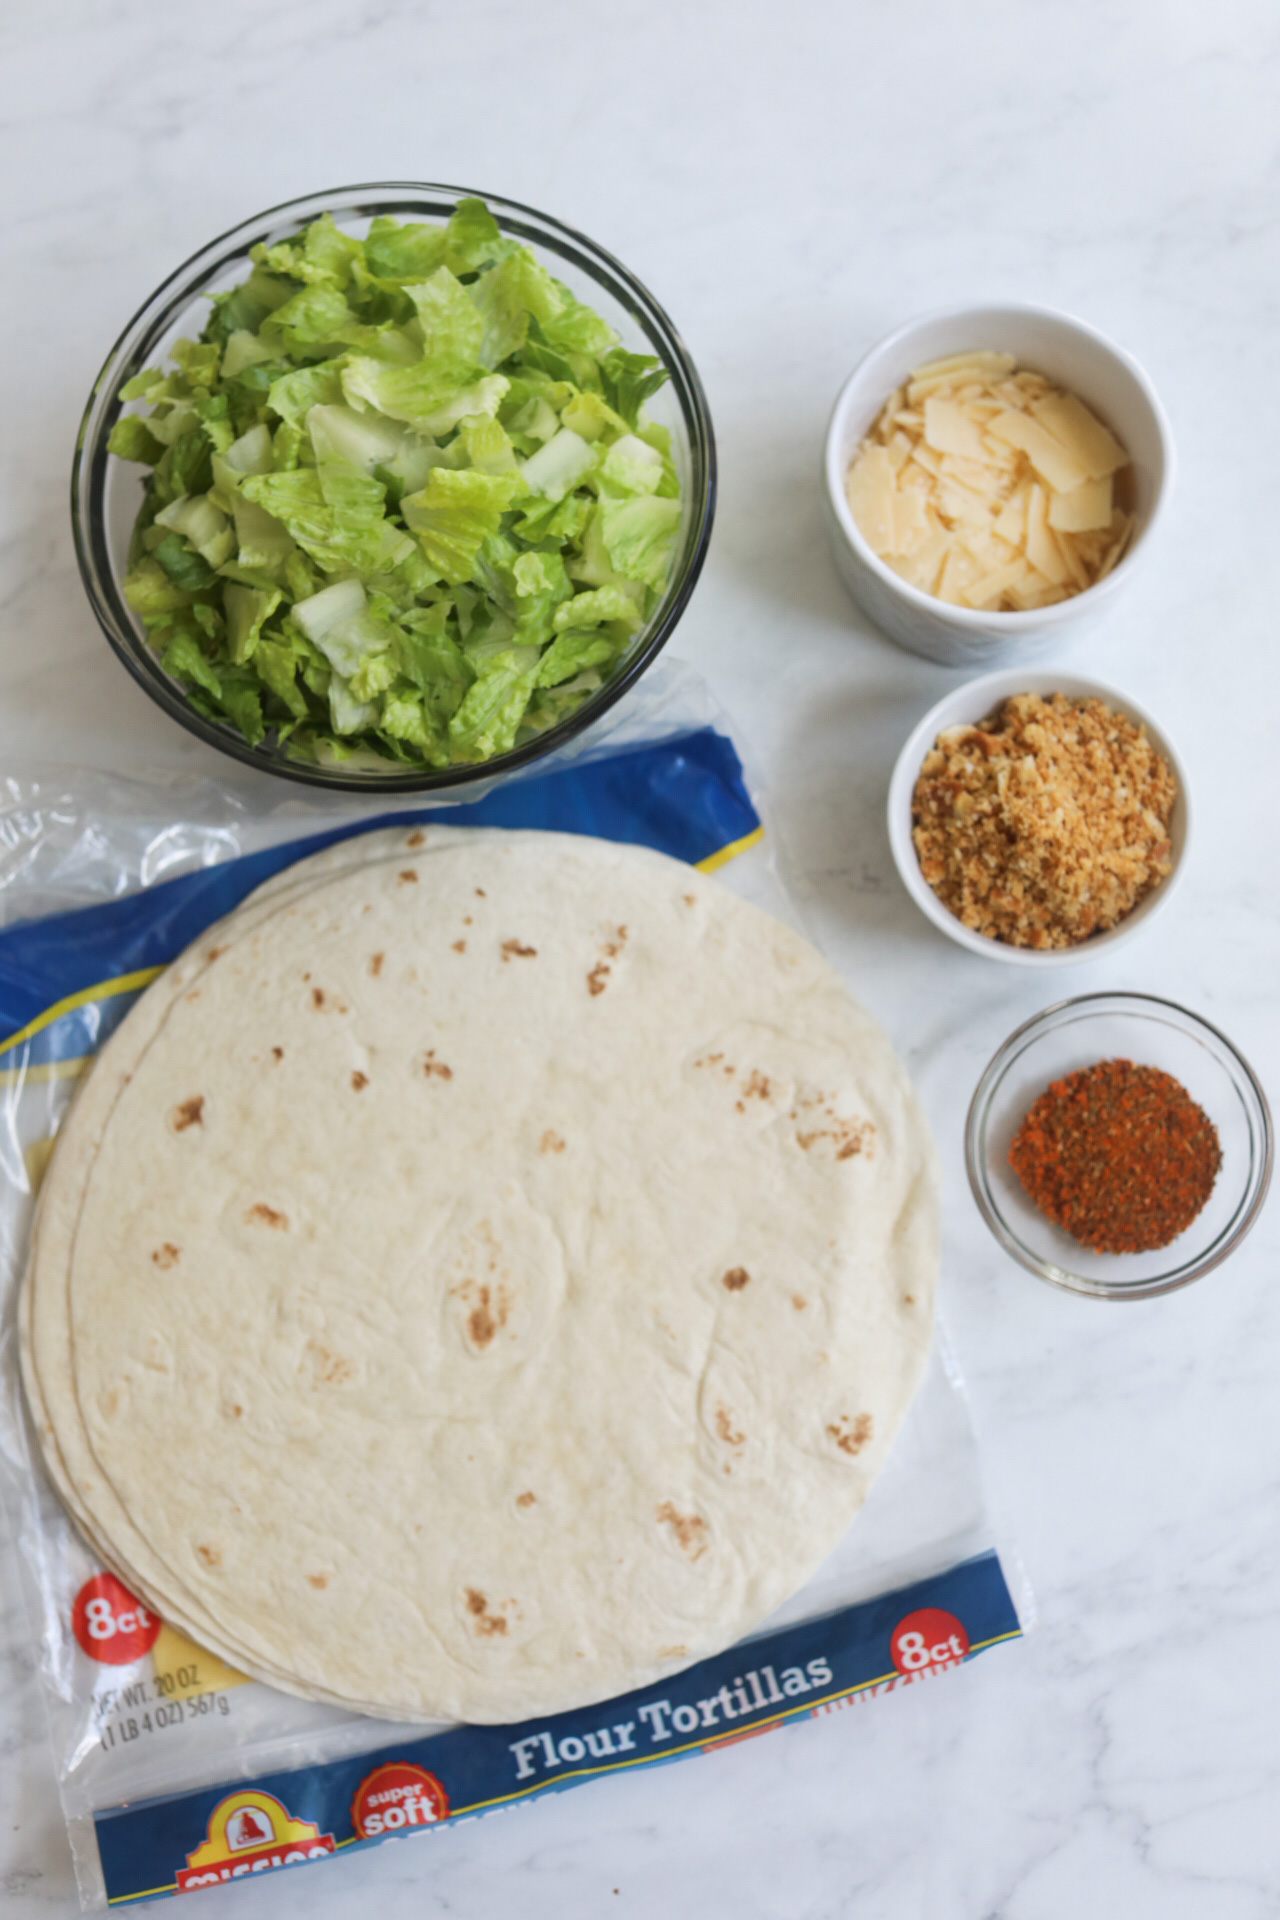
{"type": "Point", "coordinates": [1256, 1187]}
{"type": "Point", "coordinates": [978, 620]}
{"type": "Point", "coordinates": [89, 469]}
{"type": "Point", "coordinates": [985, 692]}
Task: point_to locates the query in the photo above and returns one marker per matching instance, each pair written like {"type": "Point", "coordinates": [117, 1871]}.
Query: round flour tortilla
{"type": "Point", "coordinates": [491, 1280]}
{"type": "Point", "coordinates": [44, 1332]}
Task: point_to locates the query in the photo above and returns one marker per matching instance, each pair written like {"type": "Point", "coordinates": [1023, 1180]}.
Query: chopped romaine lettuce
{"type": "Point", "coordinates": [404, 503]}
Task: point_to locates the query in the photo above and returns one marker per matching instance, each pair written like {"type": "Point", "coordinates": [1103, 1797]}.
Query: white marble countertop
{"type": "Point", "coordinates": [791, 182]}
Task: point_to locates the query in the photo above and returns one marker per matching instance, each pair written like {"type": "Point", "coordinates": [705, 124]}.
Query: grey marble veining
{"type": "Point", "coordinates": [791, 182]}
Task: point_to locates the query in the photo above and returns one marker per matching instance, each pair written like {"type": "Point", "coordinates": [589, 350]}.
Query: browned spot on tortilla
{"type": "Point", "coordinates": [375, 962]}
{"type": "Point", "coordinates": [168, 1255]}
{"type": "Point", "coordinates": [689, 1529]}
{"type": "Point", "coordinates": [691, 899]}
{"type": "Point", "coordinates": [318, 1579]}
{"type": "Point", "coordinates": [194, 994]}
{"type": "Point", "coordinates": [212, 1556]}
{"type": "Point", "coordinates": [430, 1065]}
{"type": "Point", "coordinates": [851, 1436]}
{"type": "Point", "coordinates": [597, 977]}
{"type": "Point", "coordinates": [406, 875]}
{"type": "Point", "coordinates": [849, 1137]}
{"type": "Point", "coordinates": [467, 921]}
{"type": "Point", "coordinates": [908, 1299]}
{"type": "Point", "coordinates": [512, 950]}
{"type": "Point", "coordinates": [237, 1411]}
{"type": "Point", "coordinates": [459, 946]}
{"type": "Point", "coordinates": [550, 1143]}
{"type": "Point", "coordinates": [726, 1429]}
{"type": "Point", "coordinates": [188, 1113]}
{"type": "Point", "coordinates": [329, 1368]}
{"type": "Point", "coordinates": [277, 1053]}
{"type": "Point", "coordinates": [757, 1086]}
{"type": "Point", "coordinates": [359, 1079]}
{"type": "Point", "coordinates": [525, 1499]}
{"type": "Point", "coordinates": [214, 953]}
{"type": "Point", "coordinates": [483, 895]}
{"type": "Point", "coordinates": [110, 1401]}
{"type": "Point", "coordinates": [481, 1324]}
{"type": "Point", "coordinates": [264, 1216]}
{"type": "Point", "coordinates": [478, 1608]}
{"type": "Point", "coordinates": [673, 1653]}
{"type": "Point", "coordinates": [735, 1279]}
{"type": "Point", "coordinates": [416, 838]}
{"type": "Point", "coordinates": [799, 1302]}
{"type": "Point", "coordinates": [740, 1105]}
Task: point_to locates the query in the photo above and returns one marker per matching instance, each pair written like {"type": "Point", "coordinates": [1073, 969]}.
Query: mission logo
{"type": "Point", "coordinates": [250, 1832]}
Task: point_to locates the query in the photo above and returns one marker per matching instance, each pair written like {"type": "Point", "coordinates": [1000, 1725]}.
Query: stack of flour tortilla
{"type": "Point", "coordinates": [483, 1275]}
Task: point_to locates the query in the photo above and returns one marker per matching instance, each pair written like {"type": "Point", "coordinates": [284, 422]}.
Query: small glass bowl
{"type": "Point", "coordinates": [1151, 1032]}
{"type": "Point", "coordinates": [105, 492]}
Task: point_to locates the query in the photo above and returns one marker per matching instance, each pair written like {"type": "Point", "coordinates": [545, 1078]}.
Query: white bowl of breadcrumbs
{"type": "Point", "coordinates": [1038, 817]}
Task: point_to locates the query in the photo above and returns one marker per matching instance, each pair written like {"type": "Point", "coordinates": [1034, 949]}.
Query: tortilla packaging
{"type": "Point", "coordinates": [519, 1249]}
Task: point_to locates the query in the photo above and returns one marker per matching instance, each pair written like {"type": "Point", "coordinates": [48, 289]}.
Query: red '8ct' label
{"type": "Point", "coordinates": [395, 1797]}
{"type": "Point", "coordinates": [110, 1624]}
{"type": "Point", "coordinates": [930, 1637]}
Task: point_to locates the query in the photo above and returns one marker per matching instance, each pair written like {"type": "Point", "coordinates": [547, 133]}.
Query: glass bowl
{"type": "Point", "coordinates": [105, 493]}
{"type": "Point", "coordinates": [1151, 1032]}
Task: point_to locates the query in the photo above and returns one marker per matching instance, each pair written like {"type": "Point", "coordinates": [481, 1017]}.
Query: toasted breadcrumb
{"type": "Point", "coordinates": [1046, 822]}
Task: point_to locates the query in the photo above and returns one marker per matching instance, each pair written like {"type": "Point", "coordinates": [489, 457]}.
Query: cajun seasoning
{"type": "Point", "coordinates": [1119, 1156]}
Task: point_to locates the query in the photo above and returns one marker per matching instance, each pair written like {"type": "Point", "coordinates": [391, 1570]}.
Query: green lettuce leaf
{"type": "Point", "coordinates": [403, 254]}
{"type": "Point", "coordinates": [294, 394]}
{"type": "Point", "coordinates": [629, 380]}
{"type": "Point", "coordinates": [246, 610]}
{"type": "Point", "coordinates": [637, 536]}
{"type": "Point", "coordinates": [487, 721]}
{"type": "Point", "coordinates": [570, 652]}
{"type": "Point", "coordinates": [313, 318]}
{"type": "Point", "coordinates": [132, 439]}
{"type": "Point", "coordinates": [185, 567]}
{"type": "Point", "coordinates": [150, 591]}
{"type": "Point", "coordinates": [451, 326]}
{"type": "Point", "coordinates": [473, 237]}
{"type": "Point", "coordinates": [333, 512]}
{"type": "Point", "coordinates": [455, 512]}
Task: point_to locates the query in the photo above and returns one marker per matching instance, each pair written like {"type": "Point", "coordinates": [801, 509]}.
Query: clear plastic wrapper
{"type": "Point", "coordinates": [177, 1772]}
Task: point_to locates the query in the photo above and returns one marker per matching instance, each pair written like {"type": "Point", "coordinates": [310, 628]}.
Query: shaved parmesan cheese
{"type": "Point", "coordinates": [992, 585]}
{"type": "Point", "coordinates": [1084, 508]}
{"type": "Point", "coordinates": [1042, 549]}
{"type": "Point", "coordinates": [948, 429]}
{"type": "Point", "coordinates": [960, 573]}
{"type": "Point", "coordinates": [1048, 456]}
{"type": "Point", "coordinates": [989, 366]}
{"type": "Point", "coordinates": [911, 520]}
{"type": "Point", "coordinates": [871, 491]}
{"type": "Point", "coordinates": [899, 451]}
{"type": "Point", "coordinates": [1011, 522]}
{"type": "Point", "coordinates": [986, 486]}
{"type": "Point", "coordinates": [1081, 433]}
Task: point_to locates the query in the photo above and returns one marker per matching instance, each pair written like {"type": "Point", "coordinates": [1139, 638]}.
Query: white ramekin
{"type": "Point", "coordinates": [972, 702]}
{"type": "Point", "coordinates": [1073, 356]}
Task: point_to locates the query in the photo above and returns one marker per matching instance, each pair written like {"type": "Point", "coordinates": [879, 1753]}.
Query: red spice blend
{"type": "Point", "coordinates": [1119, 1156]}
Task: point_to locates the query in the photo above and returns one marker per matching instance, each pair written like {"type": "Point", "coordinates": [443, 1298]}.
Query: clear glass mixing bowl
{"type": "Point", "coordinates": [105, 494]}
